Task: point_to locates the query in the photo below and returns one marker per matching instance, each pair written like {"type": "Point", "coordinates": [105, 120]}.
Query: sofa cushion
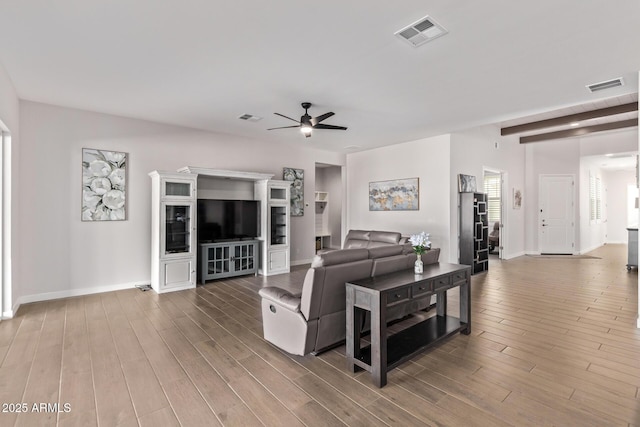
{"type": "Point", "coordinates": [431, 256]}
{"type": "Point", "coordinates": [384, 251]}
{"type": "Point", "coordinates": [384, 237]}
{"type": "Point", "coordinates": [358, 235]}
{"type": "Point", "coordinates": [323, 290]}
{"type": "Point", "coordinates": [357, 239]}
{"type": "Point", "coordinates": [339, 256]}
{"type": "Point", "coordinates": [391, 264]}
{"type": "Point", "coordinates": [407, 248]}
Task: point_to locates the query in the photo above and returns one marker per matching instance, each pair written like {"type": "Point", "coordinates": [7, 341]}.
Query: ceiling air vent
{"type": "Point", "coordinates": [250, 118]}
{"type": "Point", "coordinates": [421, 31]}
{"type": "Point", "coordinates": [606, 85]}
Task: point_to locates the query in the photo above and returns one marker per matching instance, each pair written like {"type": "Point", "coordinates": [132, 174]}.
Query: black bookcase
{"type": "Point", "coordinates": [473, 231]}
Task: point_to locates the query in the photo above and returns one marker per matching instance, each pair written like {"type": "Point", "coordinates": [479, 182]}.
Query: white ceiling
{"type": "Point", "coordinates": [202, 64]}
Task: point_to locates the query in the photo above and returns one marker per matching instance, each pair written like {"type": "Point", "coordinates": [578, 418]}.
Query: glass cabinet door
{"type": "Point", "coordinates": [178, 229]}
{"type": "Point", "coordinates": [175, 188]}
{"type": "Point", "coordinates": [278, 225]}
{"type": "Point", "coordinates": [277, 194]}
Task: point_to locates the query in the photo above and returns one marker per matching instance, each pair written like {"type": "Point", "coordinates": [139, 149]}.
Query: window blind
{"type": "Point", "coordinates": [492, 186]}
{"type": "Point", "coordinates": [595, 198]}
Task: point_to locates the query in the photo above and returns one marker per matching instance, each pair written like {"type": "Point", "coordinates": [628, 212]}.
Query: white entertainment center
{"type": "Point", "coordinates": [179, 256]}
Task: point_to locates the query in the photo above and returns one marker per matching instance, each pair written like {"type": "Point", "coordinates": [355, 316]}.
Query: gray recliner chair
{"type": "Point", "coordinates": [316, 319]}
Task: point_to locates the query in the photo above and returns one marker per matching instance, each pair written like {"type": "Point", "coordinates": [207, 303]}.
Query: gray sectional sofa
{"type": "Point", "coordinates": [314, 319]}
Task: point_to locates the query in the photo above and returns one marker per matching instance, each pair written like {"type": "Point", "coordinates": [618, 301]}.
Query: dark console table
{"type": "Point", "coordinates": [376, 294]}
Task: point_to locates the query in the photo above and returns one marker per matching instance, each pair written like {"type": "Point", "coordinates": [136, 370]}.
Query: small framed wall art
{"type": "Point", "coordinates": [104, 185]}
{"type": "Point", "coordinates": [517, 198]}
{"type": "Point", "coordinates": [296, 176]}
{"type": "Point", "coordinates": [466, 183]}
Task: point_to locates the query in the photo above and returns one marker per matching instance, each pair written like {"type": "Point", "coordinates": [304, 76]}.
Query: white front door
{"type": "Point", "coordinates": [556, 230]}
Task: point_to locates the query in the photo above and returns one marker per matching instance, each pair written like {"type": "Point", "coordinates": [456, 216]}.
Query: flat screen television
{"type": "Point", "coordinates": [225, 220]}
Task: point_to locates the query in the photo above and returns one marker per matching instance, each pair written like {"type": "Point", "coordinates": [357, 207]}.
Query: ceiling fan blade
{"type": "Point", "coordinates": [316, 120]}
{"type": "Point", "coordinates": [282, 115]}
{"type": "Point", "coordinates": [285, 127]}
{"type": "Point", "coordinates": [321, 126]}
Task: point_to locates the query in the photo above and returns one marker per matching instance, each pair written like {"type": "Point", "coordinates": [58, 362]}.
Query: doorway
{"type": "Point", "coordinates": [556, 214]}
{"type": "Point", "coordinates": [328, 206]}
{"type": "Point", "coordinates": [494, 185]}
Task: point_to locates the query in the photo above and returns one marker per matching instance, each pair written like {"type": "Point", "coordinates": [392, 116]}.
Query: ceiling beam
{"type": "Point", "coordinates": [571, 118]}
{"type": "Point", "coordinates": [569, 133]}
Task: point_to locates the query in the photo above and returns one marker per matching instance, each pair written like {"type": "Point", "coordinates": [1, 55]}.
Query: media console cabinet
{"type": "Point", "coordinates": [376, 294]}
{"type": "Point", "coordinates": [226, 259]}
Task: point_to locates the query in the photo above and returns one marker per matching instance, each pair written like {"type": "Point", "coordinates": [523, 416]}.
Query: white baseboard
{"type": "Point", "coordinates": [516, 255]}
{"type": "Point", "coordinates": [592, 248]}
{"type": "Point", "coordinates": [26, 299]}
{"type": "Point", "coordinates": [301, 262]}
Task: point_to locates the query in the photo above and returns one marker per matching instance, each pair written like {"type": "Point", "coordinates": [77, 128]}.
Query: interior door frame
{"type": "Point", "coordinates": [502, 249]}
{"type": "Point", "coordinates": [573, 211]}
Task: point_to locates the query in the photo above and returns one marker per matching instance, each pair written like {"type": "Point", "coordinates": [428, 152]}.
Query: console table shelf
{"type": "Point", "coordinates": [378, 294]}
{"type": "Point", "coordinates": [409, 342]}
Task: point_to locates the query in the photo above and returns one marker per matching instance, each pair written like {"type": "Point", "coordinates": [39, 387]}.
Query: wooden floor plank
{"type": "Point", "coordinates": [554, 342]}
{"type": "Point", "coordinates": [225, 403]}
{"type": "Point", "coordinates": [188, 405]}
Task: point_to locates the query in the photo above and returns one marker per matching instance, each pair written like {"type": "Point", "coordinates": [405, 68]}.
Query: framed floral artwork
{"type": "Point", "coordinates": [296, 176]}
{"type": "Point", "coordinates": [517, 198]}
{"type": "Point", "coordinates": [104, 185]}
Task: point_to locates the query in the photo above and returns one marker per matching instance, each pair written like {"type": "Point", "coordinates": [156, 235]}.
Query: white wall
{"type": "Point", "coordinates": [61, 255]}
{"type": "Point", "coordinates": [592, 233]}
{"type": "Point", "coordinates": [429, 160]}
{"type": "Point", "coordinates": [566, 157]}
{"type": "Point", "coordinates": [616, 185]}
{"type": "Point", "coordinates": [10, 122]}
{"type": "Point", "coordinates": [474, 150]}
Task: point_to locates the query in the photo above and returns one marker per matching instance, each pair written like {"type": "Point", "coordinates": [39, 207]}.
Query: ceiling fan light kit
{"type": "Point", "coordinates": [306, 124]}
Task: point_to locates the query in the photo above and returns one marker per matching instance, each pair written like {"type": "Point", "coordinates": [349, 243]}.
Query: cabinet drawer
{"type": "Point", "coordinates": [442, 283]}
{"type": "Point", "coordinates": [421, 288]}
{"type": "Point", "coordinates": [397, 296]}
{"type": "Point", "coordinates": [459, 277]}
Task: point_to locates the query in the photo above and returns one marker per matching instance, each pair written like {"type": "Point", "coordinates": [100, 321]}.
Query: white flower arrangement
{"type": "Point", "coordinates": [420, 242]}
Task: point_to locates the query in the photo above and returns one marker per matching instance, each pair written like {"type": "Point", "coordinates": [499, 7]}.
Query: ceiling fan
{"type": "Point", "coordinates": [308, 123]}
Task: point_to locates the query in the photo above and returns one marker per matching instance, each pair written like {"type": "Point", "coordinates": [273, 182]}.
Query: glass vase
{"type": "Point", "coordinates": [418, 267]}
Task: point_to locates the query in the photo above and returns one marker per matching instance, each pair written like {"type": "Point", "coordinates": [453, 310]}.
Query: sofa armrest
{"type": "Point", "coordinates": [281, 297]}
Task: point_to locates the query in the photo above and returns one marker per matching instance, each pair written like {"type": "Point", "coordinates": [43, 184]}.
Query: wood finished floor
{"type": "Point", "coordinates": [553, 343]}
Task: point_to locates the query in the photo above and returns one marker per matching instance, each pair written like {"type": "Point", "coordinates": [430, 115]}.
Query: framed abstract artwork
{"type": "Point", "coordinates": [395, 195]}
{"type": "Point", "coordinates": [104, 185]}
{"type": "Point", "coordinates": [466, 183]}
{"type": "Point", "coordinates": [296, 177]}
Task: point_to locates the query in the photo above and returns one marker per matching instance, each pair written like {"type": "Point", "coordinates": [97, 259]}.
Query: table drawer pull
{"type": "Point", "coordinates": [400, 295]}
{"type": "Point", "coordinates": [422, 288]}
{"type": "Point", "coordinates": [442, 283]}
{"type": "Point", "coordinates": [459, 276]}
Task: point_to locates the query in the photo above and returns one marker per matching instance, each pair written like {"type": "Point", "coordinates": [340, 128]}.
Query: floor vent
{"type": "Point", "coordinates": [595, 87]}
{"type": "Point", "coordinates": [421, 31]}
